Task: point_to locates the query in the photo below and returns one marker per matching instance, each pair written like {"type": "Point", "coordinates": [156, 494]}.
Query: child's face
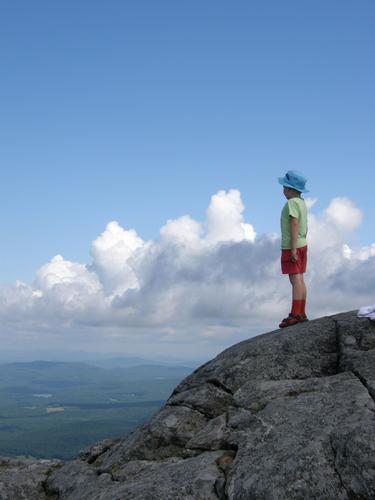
{"type": "Point", "coordinates": [290, 193]}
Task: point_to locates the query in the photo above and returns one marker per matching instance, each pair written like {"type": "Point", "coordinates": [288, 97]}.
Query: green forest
{"type": "Point", "coordinates": [55, 409]}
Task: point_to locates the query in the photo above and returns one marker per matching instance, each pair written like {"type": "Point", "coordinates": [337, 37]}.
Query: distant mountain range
{"type": "Point", "coordinates": [105, 360]}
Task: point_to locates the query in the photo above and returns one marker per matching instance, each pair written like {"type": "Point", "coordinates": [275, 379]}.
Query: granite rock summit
{"type": "Point", "coordinates": [286, 415]}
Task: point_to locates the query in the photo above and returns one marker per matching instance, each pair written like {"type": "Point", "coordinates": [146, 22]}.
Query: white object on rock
{"type": "Point", "coordinates": [367, 312]}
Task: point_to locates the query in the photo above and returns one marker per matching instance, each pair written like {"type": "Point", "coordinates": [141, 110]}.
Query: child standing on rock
{"type": "Point", "coordinates": [294, 244]}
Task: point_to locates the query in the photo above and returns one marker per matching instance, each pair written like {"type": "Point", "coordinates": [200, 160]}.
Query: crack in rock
{"type": "Point", "coordinates": [338, 346]}
{"type": "Point", "coordinates": [190, 407]}
{"type": "Point", "coordinates": [335, 467]}
{"type": "Point", "coordinates": [215, 382]}
{"type": "Point", "coordinates": [224, 464]}
{"type": "Point", "coordinates": [352, 370]}
{"type": "Point", "coordinates": [49, 495]}
{"type": "Point", "coordinates": [363, 381]}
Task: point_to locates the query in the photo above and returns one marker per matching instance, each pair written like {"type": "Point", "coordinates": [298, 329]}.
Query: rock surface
{"type": "Point", "coordinates": [24, 479]}
{"type": "Point", "coordinates": [286, 415]}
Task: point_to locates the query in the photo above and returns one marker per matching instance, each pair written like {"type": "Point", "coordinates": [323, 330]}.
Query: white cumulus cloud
{"type": "Point", "coordinates": [185, 231]}
{"type": "Point", "coordinates": [225, 220]}
{"type": "Point", "coordinates": [112, 252]}
{"type": "Point", "coordinates": [201, 282]}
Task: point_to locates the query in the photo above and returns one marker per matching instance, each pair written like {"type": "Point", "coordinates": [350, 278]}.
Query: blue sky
{"type": "Point", "coordinates": [141, 143]}
{"type": "Point", "coordinates": [140, 111]}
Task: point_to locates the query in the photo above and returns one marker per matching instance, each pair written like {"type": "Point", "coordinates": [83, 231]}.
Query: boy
{"type": "Point", "coordinates": [294, 244]}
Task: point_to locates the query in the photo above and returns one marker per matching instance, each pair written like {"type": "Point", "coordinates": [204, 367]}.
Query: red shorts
{"type": "Point", "coordinates": [290, 267]}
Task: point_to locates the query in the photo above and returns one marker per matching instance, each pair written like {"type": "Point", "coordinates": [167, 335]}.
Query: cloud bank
{"type": "Point", "coordinates": [199, 285]}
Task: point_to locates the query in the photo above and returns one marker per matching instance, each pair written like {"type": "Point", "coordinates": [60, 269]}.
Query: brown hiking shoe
{"type": "Point", "coordinates": [293, 319]}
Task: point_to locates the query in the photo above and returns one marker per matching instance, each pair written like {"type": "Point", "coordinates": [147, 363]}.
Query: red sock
{"type": "Point", "coordinates": [298, 307]}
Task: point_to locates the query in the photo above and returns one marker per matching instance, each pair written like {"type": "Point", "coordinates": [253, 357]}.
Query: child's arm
{"type": "Point", "coordinates": [294, 237]}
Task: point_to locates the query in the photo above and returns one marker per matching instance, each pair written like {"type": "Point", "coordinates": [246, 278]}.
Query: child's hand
{"type": "Point", "coordinates": [294, 255]}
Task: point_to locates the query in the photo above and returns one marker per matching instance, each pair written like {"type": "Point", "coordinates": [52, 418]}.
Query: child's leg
{"type": "Point", "coordinates": [298, 293]}
{"type": "Point", "coordinates": [298, 286]}
{"type": "Point", "coordinates": [304, 288]}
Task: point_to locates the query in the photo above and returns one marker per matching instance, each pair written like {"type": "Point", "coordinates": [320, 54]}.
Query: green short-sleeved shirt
{"type": "Point", "coordinates": [295, 207]}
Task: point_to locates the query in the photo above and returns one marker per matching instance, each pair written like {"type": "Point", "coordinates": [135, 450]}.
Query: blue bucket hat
{"type": "Point", "coordinates": [294, 180]}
